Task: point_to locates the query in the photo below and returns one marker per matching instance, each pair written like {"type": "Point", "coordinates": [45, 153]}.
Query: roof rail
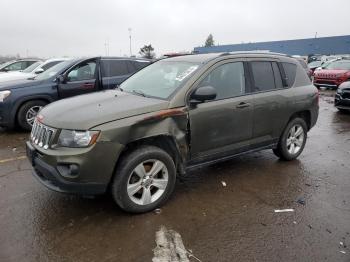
{"type": "Point", "coordinates": [253, 52]}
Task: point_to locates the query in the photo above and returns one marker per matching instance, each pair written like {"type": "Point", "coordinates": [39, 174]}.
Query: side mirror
{"type": "Point", "coordinates": [203, 93]}
{"type": "Point", "coordinates": [39, 71]}
{"type": "Point", "coordinates": [61, 79]}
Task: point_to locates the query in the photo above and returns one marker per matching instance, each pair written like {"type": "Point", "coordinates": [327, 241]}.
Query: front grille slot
{"type": "Point", "coordinates": [42, 135]}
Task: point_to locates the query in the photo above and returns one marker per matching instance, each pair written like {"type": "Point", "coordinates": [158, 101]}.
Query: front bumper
{"type": "Point", "coordinates": [95, 170]}
{"type": "Point", "coordinates": [327, 82]}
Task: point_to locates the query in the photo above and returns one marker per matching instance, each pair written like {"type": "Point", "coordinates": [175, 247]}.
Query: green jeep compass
{"type": "Point", "coordinates": [174, 115]}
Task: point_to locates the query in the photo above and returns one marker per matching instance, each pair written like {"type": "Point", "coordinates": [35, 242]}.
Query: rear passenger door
{"type": "Point", "coordinates": [114, 72]}
{"type": "Point", "coordinates": [271, 101]}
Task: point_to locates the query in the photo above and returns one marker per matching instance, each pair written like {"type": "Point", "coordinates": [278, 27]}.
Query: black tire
{"type": "Point", "coordinates": [282, 149]}
{"type": "Point", "coordinates": [22, 113]}
{"type": "Point", "coordinates": [125, 169]}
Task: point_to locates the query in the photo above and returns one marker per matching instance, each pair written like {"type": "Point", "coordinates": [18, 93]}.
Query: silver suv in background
{"type": "Point", "coordinates": [17, 65]}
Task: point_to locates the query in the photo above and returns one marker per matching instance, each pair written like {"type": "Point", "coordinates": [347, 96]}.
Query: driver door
{"type": "Point", "coordinates": [81, 79]}
{"type": "Point", "coordinates": [222, 126]}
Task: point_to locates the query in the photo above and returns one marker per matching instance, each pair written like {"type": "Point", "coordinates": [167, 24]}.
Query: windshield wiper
{"type": "Point", "coordinates": [139, 92]}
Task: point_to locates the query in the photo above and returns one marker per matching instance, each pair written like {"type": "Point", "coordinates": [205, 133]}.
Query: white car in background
{"type": "Point", "coordinates": [31, 71]}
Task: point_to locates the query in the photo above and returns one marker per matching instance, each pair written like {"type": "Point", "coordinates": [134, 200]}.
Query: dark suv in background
{"type": "Point", "coordinates": [21, 100]}
{"type": "Point", "coordinates": [174, 115]}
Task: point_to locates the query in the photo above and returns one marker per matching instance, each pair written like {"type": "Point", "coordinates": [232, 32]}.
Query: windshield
{"type": "Point", "coordinates": [32, 67]}
{"type": "Point", "coordinates": [344, 65]}
{"type": "Point", "coordinates": [315, 64]}
{"type": "Point", "coordinates": [160, 79]}
{"type": "Point", "coordinates": [53, 71]}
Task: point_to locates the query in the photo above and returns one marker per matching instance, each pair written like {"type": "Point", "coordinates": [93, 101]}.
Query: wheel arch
{"type": "Point", "coordinates": [21, 102]}
{"type": "Point", "coordinates": [305, 115]}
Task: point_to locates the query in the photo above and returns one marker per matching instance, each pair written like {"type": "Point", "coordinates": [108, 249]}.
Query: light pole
{"type": "Point", "coordinates": [129, 29]}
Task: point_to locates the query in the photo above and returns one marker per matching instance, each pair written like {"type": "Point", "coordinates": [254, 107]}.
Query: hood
{"type": "Point", "coordinates": [14, 76]}
{"type": "Point", "coordinates": [345, 85]}
{"type": "Point", "coordinates": [86, 111]}
{"type": "Point", "coordinates": [330, 73]}
{"type": "Point", "coordinates": [12, 84]}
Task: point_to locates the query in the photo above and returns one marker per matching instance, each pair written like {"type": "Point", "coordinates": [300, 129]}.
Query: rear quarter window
{"type": "Point", "coordinates": [139, 65]}
{"type": "Point", "coordinates": [290, 71]}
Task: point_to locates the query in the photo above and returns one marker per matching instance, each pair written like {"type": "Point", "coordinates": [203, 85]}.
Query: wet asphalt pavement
{"type": "Point", "coordinates": [235, 222]}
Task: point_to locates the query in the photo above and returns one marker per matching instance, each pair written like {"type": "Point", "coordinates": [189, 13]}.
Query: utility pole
{"type": "Point", "coordinates": [107, 47]}
{"type": "Point", "coordinates": [129, 29]}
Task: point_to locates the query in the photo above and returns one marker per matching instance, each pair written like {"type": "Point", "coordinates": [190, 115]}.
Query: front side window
{"type": "Point", "coordinates": [160, 79]}
{"type": "Point", "coordinates": [228, 80]}
{"type": "Point", "coordinates": [263, 76]}
{"type": "Point", "coordinates": [83, 71]}
{"type": "Point", "coordinates": [15, 66]}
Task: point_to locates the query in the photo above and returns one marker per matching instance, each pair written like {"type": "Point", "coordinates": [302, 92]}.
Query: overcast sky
{"type": "Point", "coordinates": [49, 28]}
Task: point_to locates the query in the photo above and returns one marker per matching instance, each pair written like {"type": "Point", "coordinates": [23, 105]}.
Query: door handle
{"type": "Point", "coordinates": [243, 105]}
{"type": "Point", "coordinates": [88, 85]}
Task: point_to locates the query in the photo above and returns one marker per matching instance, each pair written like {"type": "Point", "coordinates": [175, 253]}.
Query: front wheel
{"type": "Point", "coordinates": [144, 179]}
{"type": "Point", "coordinates": [292, 140]}
{"type": "Point", "coordinates": [27, 113]}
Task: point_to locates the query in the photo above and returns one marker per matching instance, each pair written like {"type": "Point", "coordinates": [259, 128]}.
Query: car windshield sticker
{"type": "Point", "coordinates": [186, 73]}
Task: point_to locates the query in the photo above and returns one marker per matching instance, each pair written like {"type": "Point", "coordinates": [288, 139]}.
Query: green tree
{"type": "Point", "coordinates": [209, 41]}
{"type": "Point", "coordinates": [147, 51]}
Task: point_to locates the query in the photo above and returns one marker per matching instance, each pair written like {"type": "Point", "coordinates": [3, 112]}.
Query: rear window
{"type": "Point", "coordinates": [290, 71]}
{"type": "Point", "coordinates": [112, 68]}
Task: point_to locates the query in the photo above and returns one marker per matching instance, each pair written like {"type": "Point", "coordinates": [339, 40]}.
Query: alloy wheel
{"type": "Point", "coordinates": [295, 139]}
{"type": "Point", "coordinates": [32, 113]}
{"type": "Point", "coordinates": [147, 182]}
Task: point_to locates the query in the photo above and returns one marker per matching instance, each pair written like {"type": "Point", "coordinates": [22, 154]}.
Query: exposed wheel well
{"type": "Point", "coordinates": [165, 142]}
{"type": "Point", "coordinates": [306, 115]}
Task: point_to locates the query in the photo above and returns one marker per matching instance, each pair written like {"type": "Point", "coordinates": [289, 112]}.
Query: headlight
{"type": "Point", "coordinates": [72, 138]}
{"type": "Point", "coordinates": [339, 91]}
{"type": "Point", "coordinates": [4, 94]}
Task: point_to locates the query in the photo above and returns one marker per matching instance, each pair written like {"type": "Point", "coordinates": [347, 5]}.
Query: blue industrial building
{"type": "Point", "coordinates": [321, 45]}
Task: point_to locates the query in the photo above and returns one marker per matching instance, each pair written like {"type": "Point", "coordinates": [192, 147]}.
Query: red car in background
{"type": "Point", "coordinates": [333, 74]}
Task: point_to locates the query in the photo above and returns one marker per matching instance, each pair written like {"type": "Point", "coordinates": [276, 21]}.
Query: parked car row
{"type": "Point", "coordinates": [31, 71]}
{"type": "Point", "coordinates": [21, 100]}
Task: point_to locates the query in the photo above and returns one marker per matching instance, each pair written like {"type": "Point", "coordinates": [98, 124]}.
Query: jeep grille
{"type": "Point", "coordinates": [42, 135]}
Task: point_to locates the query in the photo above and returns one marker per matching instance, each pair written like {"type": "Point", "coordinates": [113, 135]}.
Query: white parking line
{"type": "Point", "coordinates": [2, 161]}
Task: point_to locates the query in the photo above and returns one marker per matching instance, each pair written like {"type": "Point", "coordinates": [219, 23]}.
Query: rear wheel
{"type": "Point", "coordinates": [144, 179]}
{"type": "Point", "coordinates": [27, 113]}
{"type": "Point", "coordinates": [292, 140]}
